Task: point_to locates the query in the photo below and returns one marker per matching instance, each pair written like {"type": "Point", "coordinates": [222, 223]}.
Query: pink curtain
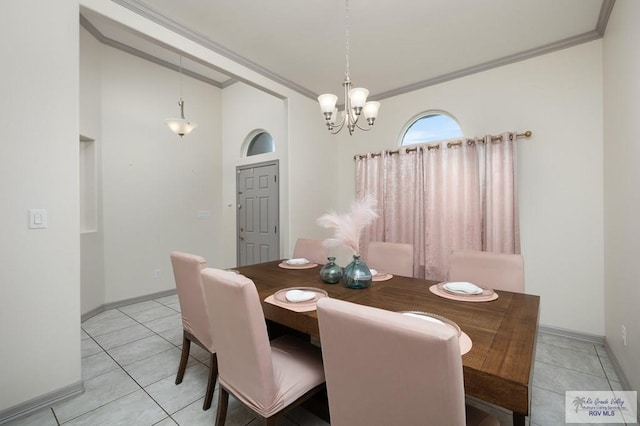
{"type": "Point", "coordinates": [444, 199]}
{"type": "Point", "coordinates": [501, 226]}
{"type": "Point", "coordinates": [370, 180]}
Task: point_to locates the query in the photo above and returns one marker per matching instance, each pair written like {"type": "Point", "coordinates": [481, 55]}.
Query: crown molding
{"type": "Point", "coordinates": [538, 51]}
{"type": "Point", "coordinates": [143, 10]}
{"type": "Point", "coordinates": [84, 22]}
{"type": "Point", "coordinates": [603, 18]}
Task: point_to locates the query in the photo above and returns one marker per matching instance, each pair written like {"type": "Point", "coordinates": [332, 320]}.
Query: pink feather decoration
{"type": "Point", "coordinates": [348, 227]}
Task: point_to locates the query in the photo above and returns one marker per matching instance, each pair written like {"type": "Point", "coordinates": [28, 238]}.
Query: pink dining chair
{"type": "Point", "coordinates": [269, 377]}
{"type": "Point", "coordinates": [394, 258]}
{"type": "Point", "coordinates": [498, 271]}
{"type": "Point", "coordinates": [196, 324]}
{"type": "Point", "coordinates": [385, 368]}
{"type": "Point", "coordinates": [312, 250]}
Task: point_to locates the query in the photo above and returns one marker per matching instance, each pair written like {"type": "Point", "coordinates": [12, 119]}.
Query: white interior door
{"type": "Point", "coordinates": [258, 215]}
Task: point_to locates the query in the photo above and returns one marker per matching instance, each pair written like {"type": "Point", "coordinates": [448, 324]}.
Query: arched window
{"type": "Point", "coordinates": [431, 126]}
{"type": "Point", "coordinates": [261, 143]}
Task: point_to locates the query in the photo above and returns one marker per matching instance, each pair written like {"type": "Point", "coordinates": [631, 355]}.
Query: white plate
{"type": "Point", "coordinates": [281, 295]}
{"type": "Point", "coordinates": [462, 287]}
{"type": "Point", "coordinates": [297, 261]}
{"type": "Point", "coordinates": [297, 296]}
{"type": "Point", "coordinates": [373, 272]}
{"type": "Point", "coordinates": [427, 316]}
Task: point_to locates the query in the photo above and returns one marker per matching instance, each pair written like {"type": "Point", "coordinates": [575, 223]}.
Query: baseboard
{"type": "Point", "coordinates": [30, 407]}
{"type": "Point", "coordinates": [125, 302]}
{"type": "Point", "coordinates": [92, 313]}
{"type": "Point", "coordinates": [585, 337]}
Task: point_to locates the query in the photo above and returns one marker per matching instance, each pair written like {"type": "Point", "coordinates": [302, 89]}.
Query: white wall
{"type": "Point", "coordinates": [40, 275]}
{"type": "Point", "coordinates": [314, 162]}
{"type": "Point", "coordinates": [622, 180]}
{"type": "Point", "coordinates": [559, 98]}
{"type": "Point", "coordinates": [92, 289]}
{"type": "Point", "coordinates": [154, 182]}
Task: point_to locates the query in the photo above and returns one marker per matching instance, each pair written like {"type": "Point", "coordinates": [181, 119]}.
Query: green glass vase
{"type": "Point", "coordinates": [356, 274]}
{"type": "Point", "coordinates": [331, 273]}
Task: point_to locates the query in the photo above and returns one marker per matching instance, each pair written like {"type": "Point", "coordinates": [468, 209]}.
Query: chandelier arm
{"type": "Point", "coordinates": [339, 128]}
{"type": "Point", "coordinates": [366, 129]}
{"type": "Point", "coordinates": [341, 123]}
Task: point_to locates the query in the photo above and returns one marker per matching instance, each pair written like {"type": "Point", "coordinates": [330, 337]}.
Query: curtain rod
{"type": "Point", "coordinates": [470, 141]}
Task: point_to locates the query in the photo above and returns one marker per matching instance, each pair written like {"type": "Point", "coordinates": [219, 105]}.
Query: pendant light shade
{"type": "Point", "coordinates": [180, 126]}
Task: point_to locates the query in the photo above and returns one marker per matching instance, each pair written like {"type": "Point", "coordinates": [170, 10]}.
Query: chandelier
{"type": "Point", "coordinates": [181, 126]}
{"type": "Point", "coordinates": [355, 104]}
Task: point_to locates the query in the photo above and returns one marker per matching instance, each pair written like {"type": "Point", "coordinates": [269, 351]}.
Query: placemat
{"type": "Point", "coordinates": [383, 277]}
{"type": "Point", "coordinates": [463, 338]}
{"type": "Point", "coordinates": [285, 265]}
{"type": "Point", "coordinates": [465, 343]}
{"type": "Point", "coordinates": [470, 298]}
{"type": "Point", "coordinates": [299, 306]}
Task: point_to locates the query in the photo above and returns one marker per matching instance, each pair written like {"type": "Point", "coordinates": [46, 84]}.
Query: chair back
{"type": "Point", "coordinates": [385, 368]}
{"type": "Point", "coordinates": [312, 250]}
{"type": "Point", "coordinates": [245, 364]}
{"type": "Point", "coordinates": [498, 271]}
{"type": "Point", "coordinates": [195, 316]}
{"type": "Point", "coordinates": [394, 258]}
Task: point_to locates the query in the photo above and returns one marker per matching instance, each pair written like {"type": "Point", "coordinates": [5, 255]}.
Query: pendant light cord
{"type": "Point", "coordinates": [346, 74]}
{"type": "Point", "coordinates": [180, 77]}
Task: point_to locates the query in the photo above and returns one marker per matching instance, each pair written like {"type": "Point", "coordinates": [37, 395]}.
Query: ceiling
{"type": "Point", "coordinates": [395, 46]}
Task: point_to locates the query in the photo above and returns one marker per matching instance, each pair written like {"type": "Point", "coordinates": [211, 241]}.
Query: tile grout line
{"type": "Point", "coordinates": [162, 337]}
{"type": "Point", "coordinates": [54, 416]}
{"type": "Point", "coordinates": [127, 373]}
{"type": "Point", "coordinates": [576, 371]}
{"type": "Point", "coordinates": [107, 372]}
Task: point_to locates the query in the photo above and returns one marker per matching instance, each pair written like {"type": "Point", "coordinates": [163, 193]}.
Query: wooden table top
{"type": "Point", "coordinates": [497, 369]}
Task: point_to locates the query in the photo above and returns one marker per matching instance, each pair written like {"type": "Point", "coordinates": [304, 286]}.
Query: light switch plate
{"type": "Point", "coordinates": [203, 214]}
{"type": "Point", "coordinates": [37, 218]}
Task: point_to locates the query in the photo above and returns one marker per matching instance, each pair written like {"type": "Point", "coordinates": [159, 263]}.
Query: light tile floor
{"type": "Point", "coordinates": [130, 358]}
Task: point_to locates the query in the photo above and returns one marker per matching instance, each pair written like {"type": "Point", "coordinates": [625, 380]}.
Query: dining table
{"type": "Point", "coordinates": [498, 368]}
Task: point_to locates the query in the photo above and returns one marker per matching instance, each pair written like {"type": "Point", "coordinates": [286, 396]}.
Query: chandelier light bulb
{"type": "Point", "coordinates": [358, 97]}
{"type": "Point", "coordinates": [370, 111]}
{"type": "Point", "coordinates": [327, 102]}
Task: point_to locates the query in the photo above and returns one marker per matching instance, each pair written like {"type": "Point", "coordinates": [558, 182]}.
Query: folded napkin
{"type": "Point", "coordinates": [297, 296]}
{"type": "Point", "coordinates": [297, 261]}
{"type": "Point", "coordinates": [463, 287]}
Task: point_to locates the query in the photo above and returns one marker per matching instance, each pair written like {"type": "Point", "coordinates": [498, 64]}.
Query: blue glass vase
{"type": "Point", "coordinates": [331, 273]}
{"type": "Point", "coordinates": [356, 274]}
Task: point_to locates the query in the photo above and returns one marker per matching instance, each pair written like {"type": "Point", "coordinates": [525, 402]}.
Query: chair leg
{"type": "Point", "coordinates": [223, 401]}
{"type": "Point", "coordinates": [186, 346]}
{"type": "Point", "coordinates": [213, 375]}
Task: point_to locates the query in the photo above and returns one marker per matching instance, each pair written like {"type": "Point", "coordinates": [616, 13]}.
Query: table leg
{"type": "Point", "coordinates": [518, 419]}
